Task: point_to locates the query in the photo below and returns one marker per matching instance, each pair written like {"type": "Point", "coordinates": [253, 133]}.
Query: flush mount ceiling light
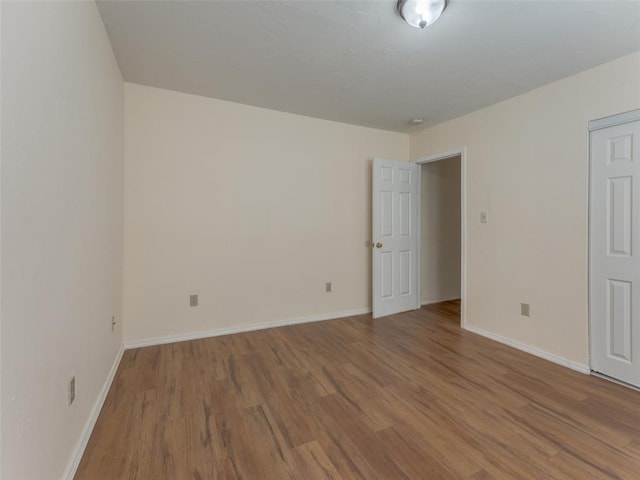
{"type": "Point", "coordinates": [420, 13]}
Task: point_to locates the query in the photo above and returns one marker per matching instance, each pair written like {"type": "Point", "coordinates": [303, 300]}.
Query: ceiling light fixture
{"type": "Point", "coordinates": [420, 13]}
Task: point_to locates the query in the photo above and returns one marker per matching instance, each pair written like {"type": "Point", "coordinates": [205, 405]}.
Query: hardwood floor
{"type": "Point", "coordinates": [410, 396]}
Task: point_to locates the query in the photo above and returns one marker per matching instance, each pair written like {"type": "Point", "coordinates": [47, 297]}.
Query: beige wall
{"type": "Point", "coordinates": [251, 209]}
{"type": "Point", "coordinates": [61, 240]}
{"type": "Point", "coordinates": [440, 236]}
{"type": "Point", "coordinates": [527, 166]}
{"type": "Point", "coordinates": [1, 4]}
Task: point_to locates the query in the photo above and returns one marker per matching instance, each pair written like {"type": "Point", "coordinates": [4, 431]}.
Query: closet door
{"type": "Point", "coordinates": [614, 236]}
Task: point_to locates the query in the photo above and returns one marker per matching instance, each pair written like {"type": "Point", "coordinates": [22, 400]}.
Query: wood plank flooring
{"type": "Point", "coordinates": [410, 396]}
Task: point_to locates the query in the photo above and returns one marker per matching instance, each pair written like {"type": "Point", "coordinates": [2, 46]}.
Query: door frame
{"type": "Point", "coordinates": [593, 125]}
{"type": "Point", "coordinates": [462, 153]}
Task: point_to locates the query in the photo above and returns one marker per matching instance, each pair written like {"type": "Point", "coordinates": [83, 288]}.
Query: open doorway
{"type": "Point", "coordinates": [442, 239]}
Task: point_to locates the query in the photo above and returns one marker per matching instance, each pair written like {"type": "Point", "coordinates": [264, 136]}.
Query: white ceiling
{"type": "Point", "coordinates": [357, 61]}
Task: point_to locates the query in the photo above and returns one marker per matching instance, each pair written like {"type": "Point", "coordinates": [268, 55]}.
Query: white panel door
{"type": "Point", "coordinates": [395, 236]}
{"type": "Point", "coordinates": [614, 240]}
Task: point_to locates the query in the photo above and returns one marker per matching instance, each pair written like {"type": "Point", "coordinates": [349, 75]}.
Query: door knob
{"type": "Point", "coordinates": [378, 245]}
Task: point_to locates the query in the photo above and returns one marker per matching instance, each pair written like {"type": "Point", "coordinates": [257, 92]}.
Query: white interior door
{"type": "Point", "coordinates": [395, 236]}
{"type": "Point", "coordinates": [614, 240]}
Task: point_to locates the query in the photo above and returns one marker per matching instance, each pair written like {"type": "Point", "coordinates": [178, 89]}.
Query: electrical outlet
{"type": "Point", "coordinates": [193, 300]}
{"type": "Point", "coordinates": [72, 390]}
{"type": "Point", "coordinates": [327, 287]}
{"type": "Point", "coordinates": [524, 309]}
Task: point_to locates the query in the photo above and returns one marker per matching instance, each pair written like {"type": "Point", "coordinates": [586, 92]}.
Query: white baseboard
{"type": "Point", "coordinates": [248, 328]}
{"type": "Point", "coordinates": [431, 302]}
{"type": "Point", "coordinates": [578, 367]}
{"type": "Point", "coordinates": [93, 418]}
